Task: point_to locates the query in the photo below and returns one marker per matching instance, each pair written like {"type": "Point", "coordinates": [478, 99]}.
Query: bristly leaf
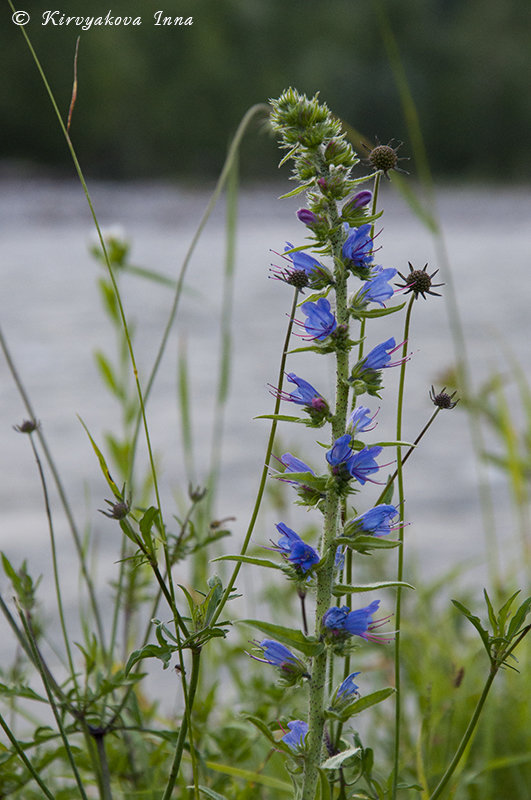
{"type": "Point", "coordinates": [289, 636]}
{"type": "Point", "coordinates": [337, 761]}
{"type": "Point", "coordinates": [343, 588]}
{"type": "Point", "coordinates": [364, 544]}
{"type": "Point", "coordinates": [359, 705]}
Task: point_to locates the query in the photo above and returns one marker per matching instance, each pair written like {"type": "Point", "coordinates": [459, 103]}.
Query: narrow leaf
{"type": "Point", "coordinates": [289, 636]}
{"type": "Point", "coordinates": [259, 562]}
{"type": "Point", "coordinates": [103, 465]}
{"type": "Point", "coordinates": [343, 588]}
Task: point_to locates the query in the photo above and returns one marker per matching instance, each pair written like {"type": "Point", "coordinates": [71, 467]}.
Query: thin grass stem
{"type": "Point", "coordinates": [400, 568]}
{"type": "Point", "coordinates": [265, 470]}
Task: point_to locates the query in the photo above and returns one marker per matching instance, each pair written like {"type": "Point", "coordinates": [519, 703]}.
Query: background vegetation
{"type": "Point", "coordinates": [159, 101]}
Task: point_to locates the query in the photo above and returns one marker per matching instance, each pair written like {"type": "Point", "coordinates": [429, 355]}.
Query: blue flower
{"type": "Point", "coordinates": [380, 356]}
{"type": "Point", "coordinates": [362, 463]}
{"type": "Point", "coordinates": [359, 420]}
{"type": "Point", "coordinates": [377, 289]}
{"type": "Point", "coordinates": [305, 394]}
{"type": "Point", "coordinates": [296, 551]}
{"type": "Point", "coordinates": [340, 452]}
{"type": "Point", "coordinates": [293, 464]}
{"type": "Point", "coordinates": [321, 322]}
{"type": "Point", "coordinates": [348, 687]}
{"type": "Point", "coordinates": [277, 655]}
{"type": "Point", "coordinates": [339, 560]}
{"type": "Point", "coordinates": [357, 247]}
{"type": "Point", "coordinates": [297, 734]}
{"type": "Point", "coordinates": [342, 622]}
{"type": "Point", "coordinates": [377, 521]}
{"type": "Point", "coordinates": [303, 269]}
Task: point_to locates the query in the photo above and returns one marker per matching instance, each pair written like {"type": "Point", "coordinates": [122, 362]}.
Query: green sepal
{"type": "Point", "coordinates": [308, 645]}
{"type": "Point", "coordinates": [343, 588]}
{"type": "Point", "coordinates": [259, 562]}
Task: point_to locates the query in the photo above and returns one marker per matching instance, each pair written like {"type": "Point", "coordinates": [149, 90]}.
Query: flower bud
{"type": "Point", "coordinates": [307, 217]}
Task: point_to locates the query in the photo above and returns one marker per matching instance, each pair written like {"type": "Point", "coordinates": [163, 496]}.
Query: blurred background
{"type": "Point", "coordinates": [162, 102]}
{"type": "Point", "coordinates": [156, 108]}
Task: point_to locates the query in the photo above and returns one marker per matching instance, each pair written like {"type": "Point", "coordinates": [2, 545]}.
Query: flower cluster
{"type": "Point", "coordinates": [340, 222]}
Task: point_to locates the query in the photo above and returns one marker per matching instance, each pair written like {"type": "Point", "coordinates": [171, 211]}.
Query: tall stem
{"type": "Point", "coordinates": [400, 569]}
{"type": "Point", "coordinates": [331, 513]}
{"type": "Point", "coordinates": [196, 655]}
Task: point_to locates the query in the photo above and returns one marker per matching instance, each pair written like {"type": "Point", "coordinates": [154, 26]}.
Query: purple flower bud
{"type": "Point", "coordinates": [359, 200]}
{"type": "Point", "coordinates": [307, 217]}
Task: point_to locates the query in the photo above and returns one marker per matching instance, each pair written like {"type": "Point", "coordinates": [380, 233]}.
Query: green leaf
{"type": "Point", "coordinates": [103, 465]}
{"type": "Point", "coordinates": [476, 622]}
{"type": "Point", "coordinates": [364, 544]}
{"type": "Point", "coordinates": [21, 691]}
{"type": "Point", "coordinates": [519, 618]}
{"type": "Point", "coordinates": [107, 373]}
{"type": "Point", "coordinates": [492, 616]}
{"type": "Point", "coordinates": [289, 636]}
{"type": "Point", "coordinates": [334, 762]}
{"type": "Point", "coordinates": [325, 785]}
{"type": "Point", "coordinates": [504, 612]}
{"type": "Point", "coordinates": [146, 523]}
{"type": "Point", "coordinates": [281, 418]}
{"type": "Point", "coordinates": [251, 777]}
{"type": "Point", "coordinates": [394, 444]}
{"type": "Point", "coordinates": [162, 652]}
{"type": "Point", "coordinates": [209, 792]}
{"type": "Point", "coordinates": [259, 562]}
{"type": "Point", "coordinates": [297, 190]}
{"type": "Point", "coordinates": [343, 588]}
{"type": "Point", "coordinates": [378, 312]}
{"type": "Point", "coordinates": [262, 727]}
{"type": "Point", "coordinates": [362, 703]}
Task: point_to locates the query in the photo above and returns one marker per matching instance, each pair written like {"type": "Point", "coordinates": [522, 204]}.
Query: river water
{"type": "Point", "coordinates": [53, 322]}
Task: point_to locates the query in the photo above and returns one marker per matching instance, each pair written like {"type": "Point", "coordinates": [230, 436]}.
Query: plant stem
{"type": "Point", "coordinates": [263, 478]}
{"type": "Point", "coordinates": [104, 766]}
{"type": "Point", "coordinates": [331, 513]}
{"type": "Point", "coordinates": [466, 737]}
{"type": "Point", "coordinates": [196, 655]}
{"type": "Point", "coordinates": [23, 757]}
{"type": "Point", "coordinates": [400, 569]}
{"type": "Point", "coordinates": [60, 490]}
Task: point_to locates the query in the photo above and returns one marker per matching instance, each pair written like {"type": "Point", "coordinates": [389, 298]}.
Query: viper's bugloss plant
{"type": "Point", "coordinates": [339, 220]}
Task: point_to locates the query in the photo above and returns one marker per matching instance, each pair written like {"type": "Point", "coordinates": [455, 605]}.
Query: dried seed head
{"type": "Point", "coordinates": [384, 157]}
{"type": "Point", "coordinates": [443, 399]}
{"type": "Point", "coordinates": [419, 281]}
{"type": "Point", "coordinates": [27, 426]}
